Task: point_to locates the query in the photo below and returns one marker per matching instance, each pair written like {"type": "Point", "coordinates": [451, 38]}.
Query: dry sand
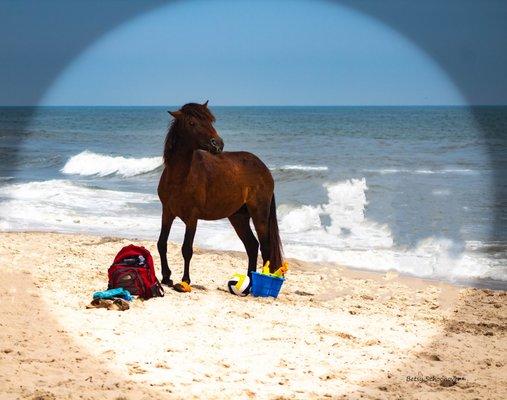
{"type": "Point", "coordinates": [332, 333]}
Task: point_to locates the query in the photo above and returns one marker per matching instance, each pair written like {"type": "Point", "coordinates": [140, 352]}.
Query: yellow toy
{"type": "Point", "coordinates": [183, 287]}
{"type": "Point", "coordinates": [265, 269]}
{"type": "Point", "coordinates": [279, 273]}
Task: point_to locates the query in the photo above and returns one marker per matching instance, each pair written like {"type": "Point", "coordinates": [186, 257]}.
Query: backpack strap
{"type": "Point", "coordinates": [157, 290]}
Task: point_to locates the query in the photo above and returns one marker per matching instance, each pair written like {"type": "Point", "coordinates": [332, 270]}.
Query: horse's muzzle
{"type": "Point", "coordinates": [216, 145]}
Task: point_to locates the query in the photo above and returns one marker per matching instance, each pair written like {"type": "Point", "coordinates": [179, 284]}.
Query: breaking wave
{"type": "Point", "coordinates": [349, 238]}
{"type": "Point", "coordinates": [88, 163]}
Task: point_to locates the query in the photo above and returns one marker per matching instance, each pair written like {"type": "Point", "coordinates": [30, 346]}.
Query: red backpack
{"type": "Point", "coordinates": [133, 270]}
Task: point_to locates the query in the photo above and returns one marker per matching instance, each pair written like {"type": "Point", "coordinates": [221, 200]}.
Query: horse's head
{"type": "Point", "coordinates": [193, 125]}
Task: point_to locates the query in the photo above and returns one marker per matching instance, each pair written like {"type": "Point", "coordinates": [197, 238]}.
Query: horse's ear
{"type": "Point", "coordinates": [206, 103]}
{"type": "Point", "coordinates": [176, 114]}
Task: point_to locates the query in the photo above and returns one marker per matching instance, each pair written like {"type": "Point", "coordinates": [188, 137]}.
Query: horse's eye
{"type": "Point", "coordinates": [192, 123]}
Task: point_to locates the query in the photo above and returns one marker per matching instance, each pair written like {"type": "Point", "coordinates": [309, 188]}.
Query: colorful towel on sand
{"type": "Point", "coordinates": [113, 293]}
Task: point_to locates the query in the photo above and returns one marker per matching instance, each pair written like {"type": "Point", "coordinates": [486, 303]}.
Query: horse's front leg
{"type": "Point", "coordinates": [187, 249]}
{"type": "Point", "coordinates": [167, 221]}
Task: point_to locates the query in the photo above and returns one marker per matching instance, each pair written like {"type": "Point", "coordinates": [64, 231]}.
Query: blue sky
{"type": "Point", "coordinates": [252, 53]}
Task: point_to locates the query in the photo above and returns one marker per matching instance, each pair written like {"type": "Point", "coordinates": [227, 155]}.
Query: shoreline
{"type": "Point", "coordinates": [479, 283]}
{"type": "Point", "coordinates": [332, 332]}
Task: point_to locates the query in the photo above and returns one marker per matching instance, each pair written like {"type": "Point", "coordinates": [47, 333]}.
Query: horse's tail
{"type": "Point", "coordinates": [275, 243]}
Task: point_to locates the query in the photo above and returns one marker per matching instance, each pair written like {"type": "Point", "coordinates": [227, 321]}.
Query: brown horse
{"type": "Point", "coordinates": [200, 181]}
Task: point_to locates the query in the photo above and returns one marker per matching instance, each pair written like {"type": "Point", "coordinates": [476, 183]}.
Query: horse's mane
{"type": "Point", "coordinates": [198, 111]}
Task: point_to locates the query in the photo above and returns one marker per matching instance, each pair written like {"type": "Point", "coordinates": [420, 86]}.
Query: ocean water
{"type": "Point", "coordinates": [378, 188]}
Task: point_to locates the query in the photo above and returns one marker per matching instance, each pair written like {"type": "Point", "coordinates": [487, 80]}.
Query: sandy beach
{"type": "Point", "coordinates": [333, 332]}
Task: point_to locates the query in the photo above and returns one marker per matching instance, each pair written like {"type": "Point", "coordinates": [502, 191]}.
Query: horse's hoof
{"type": "Point", "coordinates": [167, 282]}
{"type": "Point", "coordinates": [183, 287]}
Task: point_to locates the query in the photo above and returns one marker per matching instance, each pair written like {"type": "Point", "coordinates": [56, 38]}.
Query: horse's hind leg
{"type": "Point", "coordinates": [260, 218]}
{"type": "Point", "coordinates": [240, 220]}
{"type": "Point", "coordinates": [167, 221]}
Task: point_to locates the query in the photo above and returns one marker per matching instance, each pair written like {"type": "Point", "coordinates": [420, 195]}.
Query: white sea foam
{"type": "Point", "coordinates": [336, 231]}
{"type": "Point", "coordinates": [302, 168]}
{"type": "Point", "coordinates": [88, 163]}
{"type": "Point", "coordinates": [352, 239]}
{"type": "Point", "coordinates": [64, 206]}
{"type": "Point", "coordinates": [301, 219]}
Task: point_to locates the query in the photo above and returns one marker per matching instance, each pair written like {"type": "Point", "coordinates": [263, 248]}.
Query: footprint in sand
{"type": "Point", "coordinates": [134, 368]}
{"type": "Point", "coordinates": [162, 365]}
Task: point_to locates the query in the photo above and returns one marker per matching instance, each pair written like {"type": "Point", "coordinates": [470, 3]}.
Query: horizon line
{"type": "Point", "coordinates": [257, 105]}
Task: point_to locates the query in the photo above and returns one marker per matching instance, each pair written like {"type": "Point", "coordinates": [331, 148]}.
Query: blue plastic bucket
{"type": "Point", "coordinates": [265, 285]}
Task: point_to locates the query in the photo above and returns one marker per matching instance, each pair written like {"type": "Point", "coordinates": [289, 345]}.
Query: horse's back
{"type": "Point", "coordinates": [238, 160]}
{"type": "Point", "coordinates": [238, 172]}
{"type": "Point", "coordinates": [217, 185]}
{"type": "Point", "coordinates": [239, 167]}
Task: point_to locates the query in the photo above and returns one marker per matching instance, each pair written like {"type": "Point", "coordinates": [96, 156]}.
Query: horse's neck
{"type": "Point", "coordinates": [179, 163]}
